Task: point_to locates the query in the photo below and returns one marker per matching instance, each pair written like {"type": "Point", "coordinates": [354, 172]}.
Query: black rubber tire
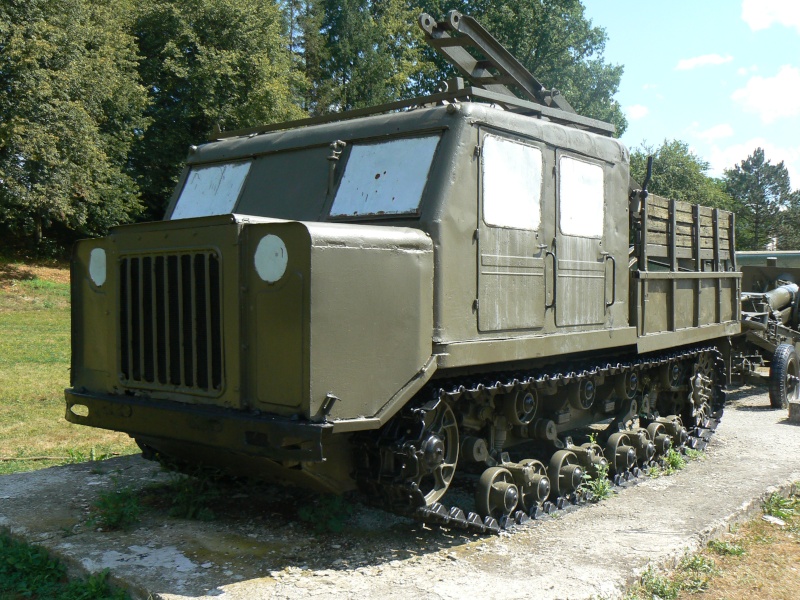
{"type": "Point", "coordinates": [785, 362]}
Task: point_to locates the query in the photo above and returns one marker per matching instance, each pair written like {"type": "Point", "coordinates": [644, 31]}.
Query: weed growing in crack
{"type": "Point", "coordinates": [117, 509]}
{"type": "Point", "coordinates": [724, 548]}
{"type": "Point", "coordinates": [692, 454]}
{"type": "Point", "coordinates": [780, 506]}
{"type": "Point", "coordinates": [600, 486]}
{"type": "Point", "coordinates": [187, 495]}
{"type": "Point", "coordinates": [673, 462]}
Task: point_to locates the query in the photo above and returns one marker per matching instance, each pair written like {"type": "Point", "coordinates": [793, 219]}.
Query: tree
{"type": "Point", "coordinates": [760, 192]}
{"type": "Point", "coordinates": [362, 53]}
{"type": "Point", "coordinates": [373, 51]}
{"type": "Point", "coordinates": [557, 43]}
{"type": "Point", "coordinates": [680, 174]}
{"type": "Point", "coordinates": [788, 233]}
{"type": "Point", "coordinates": [207, 63]}
{"type": "Point", "coordinates": [70, 108]}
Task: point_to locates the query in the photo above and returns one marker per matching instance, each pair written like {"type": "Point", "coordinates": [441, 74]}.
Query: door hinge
{"type": "Point", "coordinates": [475, 305]}
{"type": "Point", "coordinates": [477, 153]}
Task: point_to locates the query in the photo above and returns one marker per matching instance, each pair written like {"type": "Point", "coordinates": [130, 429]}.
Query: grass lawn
{"type": "Point", "coordinates": [757, 560]}
{"type": "Point", "coordinates": [34, 370]}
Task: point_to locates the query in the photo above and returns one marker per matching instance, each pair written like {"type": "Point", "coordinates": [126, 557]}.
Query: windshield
{"type": "Point", "coordinates": [386, 178]}
{"type": "Point", "coordinates": [211, 190]}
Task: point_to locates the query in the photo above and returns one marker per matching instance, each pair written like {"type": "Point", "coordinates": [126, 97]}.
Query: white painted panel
{"type": "Point", "coordinates": [211, 190]}
{"type": "Point", "coordinates": [581, 198]}
{"type": "Point", "coordinates": [512, 184]}
{"type": "Point", "coordinates": [386, 178]}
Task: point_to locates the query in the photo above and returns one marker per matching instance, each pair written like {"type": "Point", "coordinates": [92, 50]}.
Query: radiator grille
{"type": "Point", "coordinates": [170, 321]}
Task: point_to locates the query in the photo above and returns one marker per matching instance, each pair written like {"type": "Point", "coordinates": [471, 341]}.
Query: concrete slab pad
{"type": "Point", "coordinates": [251, 551]}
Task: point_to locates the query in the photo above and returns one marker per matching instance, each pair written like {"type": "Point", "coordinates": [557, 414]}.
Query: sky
{"type": "Point", "coordinates": [721, 75]}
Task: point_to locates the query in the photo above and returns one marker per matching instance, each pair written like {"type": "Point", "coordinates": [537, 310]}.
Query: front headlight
{"type": "Point", "coordinates": [271, 258]}
{"type": "Point", "coordinates": [97, 266]}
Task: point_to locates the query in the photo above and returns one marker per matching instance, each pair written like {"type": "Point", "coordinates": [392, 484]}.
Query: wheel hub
{"type": "Point", "coordinates": [433, 451]}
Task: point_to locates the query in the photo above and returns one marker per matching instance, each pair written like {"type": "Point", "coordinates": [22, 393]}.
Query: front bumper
{"type": "Point", "coordinates": [255, 434]}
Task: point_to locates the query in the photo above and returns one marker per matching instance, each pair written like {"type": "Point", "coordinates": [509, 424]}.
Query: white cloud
{"type": "Point", "coordinates": [685, 64]}
{"type": "Point", "coordinates": [729, 156]}
{"type": "Point", "coordinates": [762, 14]}
{"type": "Point", "coordinates": [650, 86]}
{"type": "Point", "coordinates": [718, 132]}
{"type": "Point", "coordinates": [636, 112]}
{"type": "Point", "coordinates": [772, 97]}
{"type": "Point", "coordinates": [747, 70]}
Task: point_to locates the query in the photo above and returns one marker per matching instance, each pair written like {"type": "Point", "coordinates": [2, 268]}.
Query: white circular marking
{"type": "Point", "coordinates": [97, 266]}
{"type": "Point", "coordinates": [271, 258]}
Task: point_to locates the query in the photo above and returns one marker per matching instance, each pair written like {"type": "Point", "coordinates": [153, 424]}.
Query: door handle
{"type": "Point", "coordinates": [555, 273]}
{"type": "Point", "coordinates": [607, 257]}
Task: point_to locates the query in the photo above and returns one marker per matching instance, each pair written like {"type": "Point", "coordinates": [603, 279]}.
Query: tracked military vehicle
{"type": "Point", "coordinates": [386, 299]}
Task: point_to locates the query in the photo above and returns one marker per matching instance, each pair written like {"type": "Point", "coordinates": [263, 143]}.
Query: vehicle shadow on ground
{"type": "Point", "coordinates": [242, 530]}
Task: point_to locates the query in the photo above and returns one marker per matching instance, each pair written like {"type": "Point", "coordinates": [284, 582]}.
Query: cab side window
{"type": "Point", "coordinates": [512, 184]}
{"type": "Point", "coordinates": [581, 199]}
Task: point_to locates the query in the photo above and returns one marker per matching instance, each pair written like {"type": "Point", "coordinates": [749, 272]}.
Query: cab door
{"type": "Point", "coordinates": [511, 233]}
{"type": "Point", "coordinates": [582, 262]}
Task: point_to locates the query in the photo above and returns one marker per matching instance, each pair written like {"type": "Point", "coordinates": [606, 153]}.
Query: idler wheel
{"type": "Point", "coordinates": [621, 454]}
{"type": "Point", "coordinates": [497, 495]}
{"type": "Point", "coordinates": [565, 472]}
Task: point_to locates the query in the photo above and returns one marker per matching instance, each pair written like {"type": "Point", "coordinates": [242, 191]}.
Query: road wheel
{"type": "Point", "coordinates": [783, 377]}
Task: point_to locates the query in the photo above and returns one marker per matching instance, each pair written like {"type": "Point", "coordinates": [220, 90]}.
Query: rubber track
{"type": "Point", "coordinates": [405, 500]}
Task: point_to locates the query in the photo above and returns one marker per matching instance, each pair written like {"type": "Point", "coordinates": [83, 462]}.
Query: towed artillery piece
{"type": "Point", "coordinates": [770, 325]}
{"type": "Point", "coordinates": [432, 293]}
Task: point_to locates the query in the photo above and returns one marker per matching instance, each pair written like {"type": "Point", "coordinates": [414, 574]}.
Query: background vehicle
{"type": "Point", "coordinates": [382, 299]}
{"type": "Point", "coordinates": [770, 324]}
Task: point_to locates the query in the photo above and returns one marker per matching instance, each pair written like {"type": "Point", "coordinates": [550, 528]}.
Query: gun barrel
{"type": "Point", "coordinates": [782, 296]}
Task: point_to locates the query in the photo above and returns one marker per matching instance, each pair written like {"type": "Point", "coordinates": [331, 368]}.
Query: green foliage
{"type": "Point", "coordinates": [673, 461]}
{"type": "Point", "coordinates": [326, 513]}
{"type": "Point", "coordinates": [679, 174]}
{"type": "Point", "coordinates": [360, 53]}
{"type": "Point", "coordinates": [206, 63]}
{"type": "Point", "coordinates": [692, 454]}
{"type": "Point", "coordinates": [71, 106]}
{"type": "Point", "coordinates": [761, 192]}
{"type": "Point", "coordinates": [555, 41]}
{"type": "Point", "coordinates": [693, 575]}
{"type": "Point", "coordinates": [29, 572]}
{"type": "Point", "coordinates": [600, 486]}
{"type": "Point", "coordinates": [696, 572]}
{"type": "Point", "coordinates": [117, 509]}
{"type": "Point", "coordinates": [658, 586]}
{"type": "Point", "coordinates": [780, 506]}
{"type": "Point", "coordinates": [725, 548]}
{"type": "Point", "coordinates": [190, 496]}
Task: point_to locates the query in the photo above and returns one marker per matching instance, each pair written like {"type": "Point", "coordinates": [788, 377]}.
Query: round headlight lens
{"type": "Point", "coordinates": [97, 266]}
{"type": "Point", "coordinates": [271, 258]}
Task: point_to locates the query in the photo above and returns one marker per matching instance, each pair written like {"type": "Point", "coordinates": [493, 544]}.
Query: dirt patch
{"type": "Point", "coordinates": [11, 273]}
{"type": "Point", "coordinates": [769, 567]}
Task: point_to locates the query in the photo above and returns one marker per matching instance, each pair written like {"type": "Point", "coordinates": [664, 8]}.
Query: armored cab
{"type": "Point", "coordinates": [462, 282]}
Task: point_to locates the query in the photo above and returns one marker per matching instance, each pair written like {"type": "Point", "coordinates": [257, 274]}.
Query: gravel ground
{"type": "Point", "coordinates": [256, 547]}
